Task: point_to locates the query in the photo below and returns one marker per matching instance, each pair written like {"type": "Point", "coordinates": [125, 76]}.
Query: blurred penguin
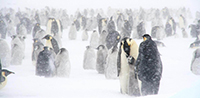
{"type": "Point", "coordinates": [102, 23]}
{"type": "Point", "coordinates": [17, 50]}
{"type": "Point", "coordinates": [184, 33]}
{"type": "Point", "coordinates": [94, 40]}
{"type": "Point", "coordinates": [62, 63]}
{"type": "Point", "coordinates": [141, 29]}
{"type": "Point", "coordinates": [45, 65]}
{"type": "Point", "coordinates": [111, 63]}
{"type": "Point", "coordinates": [37, 48]}
{"type": "Point", "coordinates": [3, 28]}
{"type": "Point", "coordinates": [5, 53]}
{"type": "Point", "coordinates": [89, 61]}
{"type": "Point", "coordinates": [102, 53]}
{"type": "Point", "coordinates": [102, 38]}
{"type": "Point", "coordinates": [195, 65]}
{"type": "Point", "coordinates": [168, 29]}
{"type": "Point", "coordinates": [173, 25]}
{"type": "Point", "coordinates": [85, 35]}
{"type": "Point", "coordinates": [36, 28]}
{"type": "Point", "coordinates": [77, 24]}
{"type": "Point", "coordinates": [39, 35]}
{"type": "Point", "coordinates": [126, 29]}
{"type": "Point", "coordinates": [182, 22]}
{"type": "Point", "coordinates": [112, 39]}
{"type": "Point", "coordinates": [72, 35]}
{"type": "Point", "coordinates": [111, 25]}
{"type": "Point", "coordinates": [21, 29]}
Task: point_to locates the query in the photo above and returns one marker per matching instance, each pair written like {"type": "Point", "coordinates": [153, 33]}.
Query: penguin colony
{"type": "Point", "coordinates": [112, 49]}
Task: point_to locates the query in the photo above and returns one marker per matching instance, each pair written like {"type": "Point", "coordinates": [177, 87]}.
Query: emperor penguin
{"type": "Point", "coordinates": [89, 60]}
{"type": "Point", "coordinates": [184, 33]}
{"type": "Point", "coordinates": [39, 35]}
{"type": "Point", "coordinates": [21, 29]}
{"type": "Point", "coordinates": [5, 53]}
{"type": "Point", "coordinates": [111, 25]}
{"type": "Point", "coordinates": [72, 35]}
{"type": "Point", "coordinates": [52, 43]}
{"type": "Point", "coordinates": [37, 48]}
{"type": "Point", "coordinates": [195, 66]}
{"type": "Point", "coordinates": [168, 29]}
{"type": "Point", "coordinates": [127, 56]}
{"type": "Point", "coordinates": [102, 38]}
{"type": "Point", "coordinates": [111, 63]}
{"type": "Point", "coordinates": [45, 65]}
{"type": "Point", "coordinates": [36, 28]}
{"type": "Point", "coordinates": [94, 39]}
{"type": "Point", "coordinates": [126, 29]}
{"type": "Point", "coordinates": [173, 25]}
{"type": "Point", "coordinates": [182, 22]}
{"type": "Point", "coordinates": [141, 29]}
{"type": "Point", "coordinates": [4, 74]}
{"type": "Point", "coordinates": [3, 28]}
{"type": "Point", "coordinates": [85, 35]}
{"type": "Point", "coordinates": [62, 63]}
{"type": "Point", "coordinates": [102, 53]}
{"type": "Point", "coordinates": [102, 24]}
{"type": "Point", "coordinates": [149, 66]}
{"type": "Point", "coordinates": [112, 39]}
{"type": "Point", "coordinates": [17, 50]}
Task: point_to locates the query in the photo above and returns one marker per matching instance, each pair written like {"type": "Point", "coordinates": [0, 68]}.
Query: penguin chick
{"type": "Point", "coordinates": [52, 43]}
{"type": "Point", "coordinates": [4, 74]}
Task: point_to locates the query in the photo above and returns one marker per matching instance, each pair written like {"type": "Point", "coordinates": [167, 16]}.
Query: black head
{"type": "Point", "coordinates": [62, 50]}
{"type": "Point", "coordinates": [47, 37]}
{"type": "Point", "coordinates": [46, 48]}
{"type": "Point", "coordinates": [6, 72]}
{"type": "Point", "coordinates": [100, 47]}
{"type": "Point", "coordinates": [126, 44]}
{"type": "Point", "coordinates": [146, 37]}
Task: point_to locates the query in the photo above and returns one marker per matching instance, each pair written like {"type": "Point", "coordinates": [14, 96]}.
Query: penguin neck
{"type": "Point", "coordinates": [3, 84]}
{"type": "Point", "coordinates": [49, 44]}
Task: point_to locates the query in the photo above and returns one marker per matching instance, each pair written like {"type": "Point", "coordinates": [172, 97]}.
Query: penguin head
{"type": "Point", "coordinates": [100, 47]}
{"type": "Point", "coordinates": [37, 24]}
{"type": "Point", "coordinates": [62, 50]}
{"type": "Point", "coordinates": [6, 72]}
{"type": "Point", "coordinates": [46, 48]}
{"type": "Point", "coordinates": [47, 37]}
{"type": "Point", "coordinates": [126, 45]}
{"type": "Point", "coordinates": [146, 37]}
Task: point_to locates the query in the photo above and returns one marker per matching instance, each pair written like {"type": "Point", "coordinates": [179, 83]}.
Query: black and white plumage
{"type": "Point", "coordinates": [102, 24]}
{"type": "Point", "coordinates": [102, 53]}
{"type": "Point", "coordinates": [173, 25]}
{"type": "Point", "coordinates": [37, 48]}
{"type": "Point", "coordinates": [195, 66]}
{"type": "Point", "coordinates": [62, 63]}
{"type": "Point", "coordinates": [111, 25]}
{"type": "Point", "coordinates": [89, 60]}
{"type": "Point", "coordinates": [5, 53]}
{"type": "Point", "coordinates": [149, 66]}
{"type": "Point", "coordinates": [182, 22]}
{"type": "Point", "coordinates": [3, 77]}
{"type": "Point", "coordinates": [168, 29]}
{"type": "Point", "coordinates": [126, 29]}
{"type": "Point", "coordinates": [45, 65]}
{"type": "Point", "coordinates": [77, 24]}
{"type": "Point", "coordinates": [111, 64]}
{"type": "Point", "coordinates": [112, 39]}
{"type": "Point", "coordinates": [36, 28]}
{"type": "Point", "coordinates": [127, 56]}
{"type": "Point", "coordinates": [52, 43]}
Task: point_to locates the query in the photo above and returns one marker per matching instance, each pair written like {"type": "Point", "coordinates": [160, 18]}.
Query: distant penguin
{"type": "Point", "coordinates": [173, 25]}
{"type": "Point", "coordinates": [37, 18]}
{"type": "Point", "coordinates": [154, 31]}
{"type": "Point", "coordinates": [49, 25]}
{"type": "Point", "coordinates": [111, 25]}
{"type": "Point", "coordinates": [194, 30]}
{"type": "Point", "coordinates": [112, 39]}
{"type": "Point", "coordinates": [111, 64]}
{"type": "Point", "coordinates": [83, 22]}
{"type": "Point", "coordinates": [17, 50]}
{"type": "Point", "coordinates": [62, 63]}
{"type": "Point", "coordinates": [39, 35]}
{"type": "Point", "coordinates": [126, 29]}
{"type": "Point", "coordinates": [5, 53]}
{"type": "Point", "coordinates": [36, 28]}
{"type": "Point", "coordinates": [149, 66]}
{"type": "Point", "coordinates": [45, 65]}
{"type": "Point", "coordinates": [27, 23]}
{"type": "Point", "coordinates": [85, 35]}
{"type": "Point", "coordinates": [119, 21]}
{"type": "Point", "coordinates": [94, 39]}
{"type": "Point", "coordinates": [10, 28]}
{"type": "Point", "coordinates": [102, 38]}
{"type": "Point", "coordinates": [195, 66]}
{"type": "Point", "coordinates": [182, 22]}
{"type": "Point", "coordinates": [72, 35]}
{"type": "Point", "coordinates": [158, 32]}
{"type": "Point", "coordinates": [168, 29]}
{"type": "Point", "coordinates": [127, 56]}
{"type": "Point", "coordinates": [3, 81]}
{"type": "Point", "coordinates": [102, 53]}
{"type": "Point", "coordinates": [52, 43]}
{"type": "Point", "coordinates": [3, 29]}
{"type": "Point", "coordinates": [21, 29]}
{"type": "Point", "coordinates": [184, 33]}
{"type": "Point", "coordinates": [195, 44]}
{"type": "Point", "coordinates": [141, 30]}
{"type": "Point", "coordinates": [37, 48]}
{"type": "Point", "coordinates": [89, 60]}
{"type": "Point", "coordinates": [102, 23]}
{"type": "Point", "coordinates": [77, 24]}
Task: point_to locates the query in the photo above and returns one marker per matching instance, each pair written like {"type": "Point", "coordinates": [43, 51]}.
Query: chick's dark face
{"type": "Point", "coordinates": [126, 48]}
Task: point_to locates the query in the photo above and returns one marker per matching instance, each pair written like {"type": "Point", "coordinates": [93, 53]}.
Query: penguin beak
{"type": "Point", "coordinates": [144, 38]}
{"type": "Point", "coordinates": [118, 37]}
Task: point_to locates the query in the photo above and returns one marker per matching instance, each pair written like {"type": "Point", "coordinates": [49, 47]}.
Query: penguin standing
{"type": "Point", "coordinates": [173, 25]}
{"type": "Point", "coordinates": [102, 23]}
{"type": "Point", "coordinates": [127, 56]}
{"type": "Point", "coordinates": [39, 35]}
{"type": "Point", "coordinates": [94, 40]}
{"type": "Point", "coordinates": [182, 22]}
{"type": "Point", "coordinates": [102, 38]}
{"type": "Point", "coordinates": [89, 60]}
{"type": "Point", "coordinates": [52, 43]}
{"type": "Point", "coordinates": [101, 59]}
{"type": "Point", "coordinates": [111, 63]}
{"type": "Point", "coordinates": [195, 66]}
{"type": "Point", "coordinates": [62, 63]}
{"type": "Point", "coordinates": [5, 53]}
{"type": "Point", "coordinates": [72, 32]}
{"type": "Point", "coordinates": [168, 29]}
{"type": "Point", "coordinates": [141, 29]}
{"type": "Point", "coordinates": [3, 80]}
{"type": "Point", "coordinates": [37, 48]}
{"type": "Point", "coordinates": [149, 66]}
{"type": "Point", "coordinates": [184, 33]}
{"type": "Point", "coordinates": [85, 35]}
{"type": "Point", "coordinates": [36, 28]}
{"type": "Point", "coordinates": [111, 25]}
{"type": "Point", "coordinates": [45, 63]}
{"type": "Point", "coordinates": [21, 29]}
{"type": "Point", "coordinates": [126, 29]}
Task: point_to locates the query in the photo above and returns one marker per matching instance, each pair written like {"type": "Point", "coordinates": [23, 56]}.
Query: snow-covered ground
{"type": "Point", "coordinates": [177, 80]}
